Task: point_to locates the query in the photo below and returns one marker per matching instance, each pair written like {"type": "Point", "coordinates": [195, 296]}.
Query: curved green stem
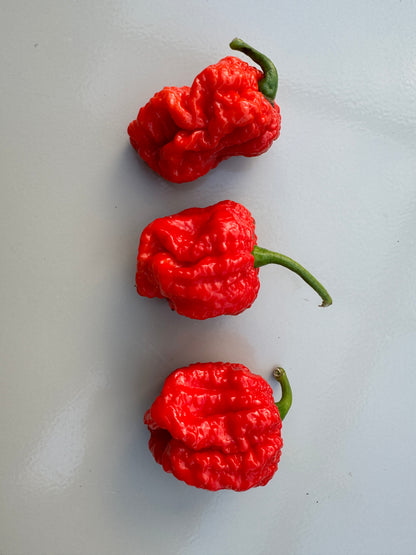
{"type": "Point", "coordinates": [267, 85]}
{"type": "Point", "coordinates": [286, 401]}
{"type": "Point", "coordinates": [264, 256]}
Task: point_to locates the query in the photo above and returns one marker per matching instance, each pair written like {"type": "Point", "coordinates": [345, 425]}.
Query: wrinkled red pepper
{"type": "Point", "coordinates": [205, 261]}
{"type": "Point", "coordinates": [216, 426]}
{"type": "Point", "coordinates": [229, 110]}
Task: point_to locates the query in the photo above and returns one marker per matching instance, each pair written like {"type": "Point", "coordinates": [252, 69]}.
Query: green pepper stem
{"type": "Point", "coordinates": [286, 401]}
{"type": "Point", "coordinates": [268, 84]}
{"type": "Point", "coordinates": [264, 256]}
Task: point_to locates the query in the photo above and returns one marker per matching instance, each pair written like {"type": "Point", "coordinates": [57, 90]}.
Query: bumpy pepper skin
{"type": "Point", "coordinates": [205, 261]}
{"type": "Point", "coordinates": [200, 260]}
{"type": "Point", "coordinates": [216, 426]}
{"type": "Point", "coordinates": [182, 133]}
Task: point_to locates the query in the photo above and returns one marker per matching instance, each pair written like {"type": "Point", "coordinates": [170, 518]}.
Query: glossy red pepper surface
{"type": "Point", "coordinates": [184, 132]}
{"type": "Point", "coordinates": [200, 260]}
{"type": "Point", "coordinates": [216, 426]}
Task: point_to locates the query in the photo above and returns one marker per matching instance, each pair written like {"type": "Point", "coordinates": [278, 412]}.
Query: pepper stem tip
{"type": "Point", "coordinates": [236, 43]}
{"type": "Point", "coordinates": [278, 373]}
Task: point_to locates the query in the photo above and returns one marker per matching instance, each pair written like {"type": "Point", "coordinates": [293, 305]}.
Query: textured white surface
{"type": "Point", "coordinates": [83, 356]}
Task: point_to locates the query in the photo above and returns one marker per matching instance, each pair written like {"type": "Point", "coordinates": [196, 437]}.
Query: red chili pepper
{"type": "Point", "coordinates": [216, 426]}
{"type": "Point", "coordinates": [229, 110]}
{"type": "Point", "coordinates": [205, 261]}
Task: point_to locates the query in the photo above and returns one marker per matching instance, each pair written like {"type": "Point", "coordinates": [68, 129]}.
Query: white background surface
{"type": "Point", "coordinates": [83, 356]}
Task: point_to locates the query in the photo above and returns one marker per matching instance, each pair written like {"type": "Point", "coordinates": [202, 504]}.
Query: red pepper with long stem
{"type": "Point", "coordinates": [205, 261]}
{"type": "Point", "coordinates": [216, 426]}
{"type": "Point", "coordinates": [229, 110]}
